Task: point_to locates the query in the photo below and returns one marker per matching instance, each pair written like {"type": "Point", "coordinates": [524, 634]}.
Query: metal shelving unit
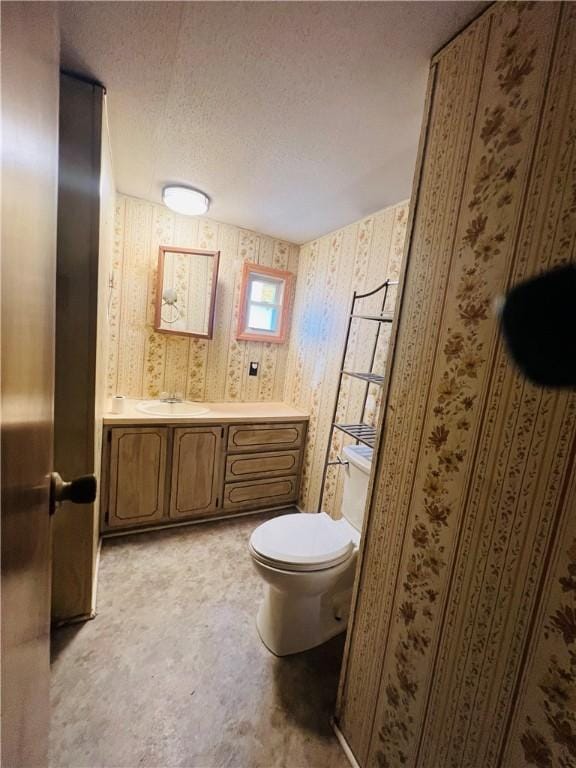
{"type": "Point", "coordinates": [361, 432]}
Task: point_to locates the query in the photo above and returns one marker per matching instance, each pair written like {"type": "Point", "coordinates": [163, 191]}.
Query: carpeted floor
{"type": "Point", "coordinates": [172, 672]}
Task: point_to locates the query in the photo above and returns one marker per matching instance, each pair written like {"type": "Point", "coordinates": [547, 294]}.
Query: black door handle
{"type": "Point", "coordinates": [82, 490]}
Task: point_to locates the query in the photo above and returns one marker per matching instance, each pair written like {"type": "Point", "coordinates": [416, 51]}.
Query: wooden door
{"type": "Point", "coordinates": [196, 471]}
{"type": "Point", "coordinates": [30, 65]}
{"type": "Point", "coordinates": [137, 485]}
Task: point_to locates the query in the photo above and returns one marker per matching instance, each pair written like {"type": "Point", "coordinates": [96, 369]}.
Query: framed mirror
{"type": "Point", "coordinates": [186, 291]}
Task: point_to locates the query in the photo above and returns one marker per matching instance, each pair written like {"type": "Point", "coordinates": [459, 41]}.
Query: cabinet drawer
{"type": "Point", "coordinates": [252, 466]}
{"type": "Point", "coordinates": [249, 437]}
{"type": "Point", "coordinates": [260, 493]}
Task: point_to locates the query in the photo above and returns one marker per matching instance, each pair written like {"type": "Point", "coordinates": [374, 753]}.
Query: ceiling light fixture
{"type": "Point", "coordinates": [190, 202]}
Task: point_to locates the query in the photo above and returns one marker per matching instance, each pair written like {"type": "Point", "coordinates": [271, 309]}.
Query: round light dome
{"type": "Point", "coordinates": [184, 200]}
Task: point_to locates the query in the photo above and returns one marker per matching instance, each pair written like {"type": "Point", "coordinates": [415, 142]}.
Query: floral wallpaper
{"type": "Point", "coordinates": [358, 257]}
{"type": "Point", "coordinates": [143, 362]}
{"type": "Point", "coordinates": [463, 645]}
{"type": "Point", "coordinates": [548, 735]}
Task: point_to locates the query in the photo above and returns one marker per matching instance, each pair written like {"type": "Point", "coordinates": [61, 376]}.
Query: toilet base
{"type": "Point", "coordinates": [290, 624]}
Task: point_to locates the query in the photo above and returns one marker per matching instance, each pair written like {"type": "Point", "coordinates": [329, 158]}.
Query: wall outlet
{"type": "Point", "coordinates": [253, 369]}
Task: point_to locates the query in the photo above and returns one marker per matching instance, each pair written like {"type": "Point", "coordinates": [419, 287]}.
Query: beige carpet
{"type": "Point", "coordinates": [172, 671]}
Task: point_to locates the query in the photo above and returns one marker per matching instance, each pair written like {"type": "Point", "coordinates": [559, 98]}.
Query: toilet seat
{"type": "Point", "coordinates": [301, 542]}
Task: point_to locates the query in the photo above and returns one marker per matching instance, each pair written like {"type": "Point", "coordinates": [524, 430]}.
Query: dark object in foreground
{"type": "Point", "coordinates": [539, 325]}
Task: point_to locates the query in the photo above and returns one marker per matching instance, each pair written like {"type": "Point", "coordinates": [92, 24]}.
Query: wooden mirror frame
{"type": "Point", "coordinates": [160, 281]}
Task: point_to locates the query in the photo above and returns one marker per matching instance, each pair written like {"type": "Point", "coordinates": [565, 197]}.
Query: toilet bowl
{"type": "Point", "coordinates": [308, 563]}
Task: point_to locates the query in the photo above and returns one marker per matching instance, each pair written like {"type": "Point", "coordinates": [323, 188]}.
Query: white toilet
{"type": "Point", "coordinates": [308, 563]}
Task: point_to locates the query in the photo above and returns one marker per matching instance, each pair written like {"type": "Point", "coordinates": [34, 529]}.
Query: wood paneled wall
{"type": "Point", "coordinates": [462, 651]}
{"type": "Point", "coordinates": [143, 362]}
{"type": "Point", "coordinates": [357, 257]}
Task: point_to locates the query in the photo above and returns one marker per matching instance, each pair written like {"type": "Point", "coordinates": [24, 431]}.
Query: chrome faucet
{"type": "Point", "coordinates": [171, 397]}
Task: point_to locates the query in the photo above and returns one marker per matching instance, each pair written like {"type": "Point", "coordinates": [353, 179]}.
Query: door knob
{"type": "Point", "coordinates": [82, 490]}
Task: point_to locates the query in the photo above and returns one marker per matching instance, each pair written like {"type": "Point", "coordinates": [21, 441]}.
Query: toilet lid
{"type": "Point", "coordinates": [302, 539]}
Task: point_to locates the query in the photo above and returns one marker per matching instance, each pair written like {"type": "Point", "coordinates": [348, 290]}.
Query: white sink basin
{"type": "Point", "coordinates": [182, 409]}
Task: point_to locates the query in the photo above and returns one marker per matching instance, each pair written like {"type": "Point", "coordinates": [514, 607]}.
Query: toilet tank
{"type": "Point", "coordinates": [357, 475]}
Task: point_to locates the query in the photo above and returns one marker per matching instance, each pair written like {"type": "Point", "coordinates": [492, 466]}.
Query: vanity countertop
{"type": "Point", "coordinates": [221, 413]}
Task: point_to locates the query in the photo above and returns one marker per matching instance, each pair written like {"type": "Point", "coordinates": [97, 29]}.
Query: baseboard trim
{"type": "Point", "coordinates": [345, 746]}
{"type": "Point", "coordinates": [230, 518]}
{"type": "Point", "coordinates": [96, 572]}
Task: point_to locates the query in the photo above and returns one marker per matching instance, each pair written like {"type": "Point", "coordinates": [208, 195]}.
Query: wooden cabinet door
{"type": "Point", "coordinates": [137, 476]}
{"type": "Point", "coordinates": [196, 471]}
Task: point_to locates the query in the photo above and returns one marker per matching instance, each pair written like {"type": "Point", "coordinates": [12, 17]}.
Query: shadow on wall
{"type": "Point", "coordinates": [61, 637]}
{"type": "Point", "coordinates": [306, 685]}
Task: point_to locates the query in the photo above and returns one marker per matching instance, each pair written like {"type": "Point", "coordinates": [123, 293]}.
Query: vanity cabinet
{"type": "Point", "coordinates": [161, 474]}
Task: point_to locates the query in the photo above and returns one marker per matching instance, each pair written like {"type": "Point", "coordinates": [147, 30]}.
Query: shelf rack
{"type": "Point", "coordinates": [372, 378]}
{"type": "Point", "coordinates": [361, 432]}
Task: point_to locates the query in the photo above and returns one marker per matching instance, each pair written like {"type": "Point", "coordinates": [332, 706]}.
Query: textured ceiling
{"type": "Point", "coordinates": [295, 118]}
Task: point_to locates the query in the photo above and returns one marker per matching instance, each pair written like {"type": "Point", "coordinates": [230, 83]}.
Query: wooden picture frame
{"type": "Point", "coordinates": [160, 283]}
{"type": "Point", "coordinates": [280, 336]}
